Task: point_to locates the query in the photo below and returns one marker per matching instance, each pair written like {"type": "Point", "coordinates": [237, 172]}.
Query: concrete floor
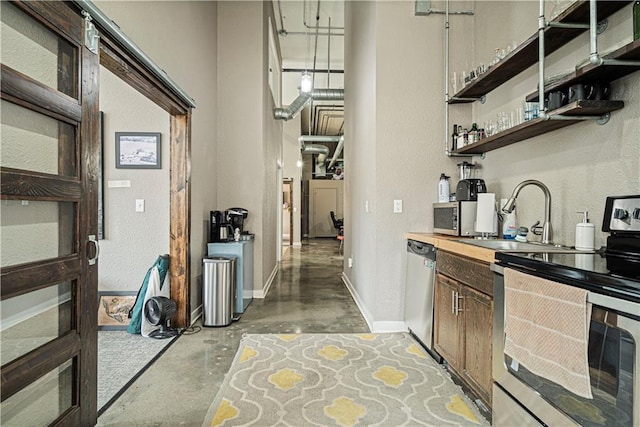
{"type": "Point", "coordinates": [307, 296]}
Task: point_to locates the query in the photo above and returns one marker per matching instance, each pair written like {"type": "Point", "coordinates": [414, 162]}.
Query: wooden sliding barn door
{"type": "Point", "coordinates": [49, 193]}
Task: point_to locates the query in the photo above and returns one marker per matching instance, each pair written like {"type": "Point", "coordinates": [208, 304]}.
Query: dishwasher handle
{"type": "Point", "coordinates": [424, 250]}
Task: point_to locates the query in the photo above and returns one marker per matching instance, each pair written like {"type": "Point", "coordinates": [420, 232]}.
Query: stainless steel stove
{"type": "Point", "coordinates": [612, 278]}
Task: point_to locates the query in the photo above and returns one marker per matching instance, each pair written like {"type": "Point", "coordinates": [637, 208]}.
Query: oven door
{"type": "Point", "coordinates": [614, 361]}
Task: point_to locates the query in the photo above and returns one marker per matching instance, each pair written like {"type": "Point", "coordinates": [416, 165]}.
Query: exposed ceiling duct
{"type": "Point", "coordinates": [321, 150]}
{"type": "Point", "coordinates": [302, 100]}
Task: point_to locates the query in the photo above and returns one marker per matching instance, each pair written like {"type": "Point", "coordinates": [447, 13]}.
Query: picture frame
{"type": "Point", "coordinates": [138, 150]}
{"type": "Point", "coordinates": [113, 309]}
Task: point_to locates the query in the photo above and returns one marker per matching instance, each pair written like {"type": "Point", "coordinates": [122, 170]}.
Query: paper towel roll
{"type": "Point", "coordinates": [486, 213]}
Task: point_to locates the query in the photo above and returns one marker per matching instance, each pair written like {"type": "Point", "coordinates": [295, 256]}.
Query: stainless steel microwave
{"type": "Point", "coordinates": [455, 218]}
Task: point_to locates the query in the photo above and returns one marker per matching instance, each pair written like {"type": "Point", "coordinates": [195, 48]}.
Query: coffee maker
{"type": "Point", "coordinates": [219, 229]}
{"type": "Point", "coordinates": [468, 187]}
{"type": "Point", "coordinates": [235, 217]}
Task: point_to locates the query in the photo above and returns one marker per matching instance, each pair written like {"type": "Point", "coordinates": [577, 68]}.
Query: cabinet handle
{"type": "Point", "coordinates": [458, 298]}
{"type": "Point", "coordinates": [453, 302]}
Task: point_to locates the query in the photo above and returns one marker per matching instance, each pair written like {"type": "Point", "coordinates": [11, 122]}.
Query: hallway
{"type": "Point", "coordinates": [307, 296]}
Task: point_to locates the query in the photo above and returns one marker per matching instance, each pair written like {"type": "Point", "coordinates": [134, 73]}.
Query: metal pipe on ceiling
{"type": "Point", "coordinates": [298, 104]}
{"type": "Point", "coordinates": [304, 17]}
{"type": "Point", "coordinates": [109, 27]}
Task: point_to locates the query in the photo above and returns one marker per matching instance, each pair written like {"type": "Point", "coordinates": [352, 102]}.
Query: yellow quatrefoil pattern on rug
{"type": "Point", "coordinates": [345, 411]}
{"type": "Point", "coordinates": [285, 379]}
{"type": "Point", "coordinates": [247, 354]}
{"type": "Point", "coordinates": [331, 352]}
{"type": "Point", "coordinates": [416, 351]}
{"type": "Point", "coordinates": [225, 412]}
{"type": "Point", "coordinates": [457, 406]}
{"type": "Point", "coordinates": [390, 376]}
{"type": "Point", "coordinates": [346, 380]}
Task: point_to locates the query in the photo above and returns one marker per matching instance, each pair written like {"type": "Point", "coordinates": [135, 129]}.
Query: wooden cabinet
{"type": "Point", "coordinates": [447, 325]}
{"type": "Point", "coordinates": [463, 320]}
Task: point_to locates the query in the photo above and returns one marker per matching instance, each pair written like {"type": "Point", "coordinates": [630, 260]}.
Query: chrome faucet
{"type": "Point", "coordinates": [511, 204]}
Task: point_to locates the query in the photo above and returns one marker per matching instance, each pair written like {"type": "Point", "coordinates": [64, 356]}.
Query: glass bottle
{"type": "Point", "coordinates": [473, 133]}
{"type": "Point", "coordinates": [454, 137]}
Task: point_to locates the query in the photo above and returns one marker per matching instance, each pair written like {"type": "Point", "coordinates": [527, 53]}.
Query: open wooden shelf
{"type": "Point", "coordinates": [526, 54]}
{"type": "Point", "coordinates": [597, 73]}
{"type": "Point", "coordinates": [535, 127]}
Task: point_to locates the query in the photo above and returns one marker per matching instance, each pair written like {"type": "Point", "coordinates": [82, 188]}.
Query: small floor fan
{"type": "Point", "coordinates": [158, 311]}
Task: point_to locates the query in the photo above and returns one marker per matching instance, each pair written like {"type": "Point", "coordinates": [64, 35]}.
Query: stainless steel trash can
{"type": "Point", "coordinates": [218, 290]}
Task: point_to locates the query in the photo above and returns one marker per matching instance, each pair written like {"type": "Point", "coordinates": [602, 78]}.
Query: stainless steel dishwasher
{"type": "Point", "coordinates": [418, 298]}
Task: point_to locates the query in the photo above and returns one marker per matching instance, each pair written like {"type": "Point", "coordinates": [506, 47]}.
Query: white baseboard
{"type": "Point", "coordinates": [374, 326]}
{"type": "Point", "coordinates": [196, 314]}
{"type": "Point", "coordinates": [261, 293]}
{"type": "Point", "coordinates": [389, 326]}
{"type": "Point", "coordinates": [365, 313]}
{"type": "Point", "coordinates": [297, 244]}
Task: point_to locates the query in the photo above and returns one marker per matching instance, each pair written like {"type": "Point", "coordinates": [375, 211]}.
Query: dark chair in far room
{"type": "Point", "coordinates": [338, 224]}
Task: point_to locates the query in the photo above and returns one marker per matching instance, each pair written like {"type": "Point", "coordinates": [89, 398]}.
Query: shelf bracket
{"type": "Point", "coordinates": [603, 119]}
{"type": "Point", "coordinates": [482, 99]}
{"type": "Point", "coordinates": [602, 26]}
{"type": "Point", "coordinates": [567, 25]}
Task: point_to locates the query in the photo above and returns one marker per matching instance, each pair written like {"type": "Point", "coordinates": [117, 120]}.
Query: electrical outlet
{"type": "Point", "coordinates": [366, 206]}
{"type": "Point", "coordinates": [139, 205]}
{"type": "Point", "coordinates": [350, 262]}
{"type": "Point", "coordinates": [397, 206]}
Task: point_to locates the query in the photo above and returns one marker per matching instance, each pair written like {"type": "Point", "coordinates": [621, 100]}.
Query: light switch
{"type": "Point", "coordinates": [366, 206]}
{"type": "Point", "coordinates": [139, 205]}
{"type": "Point", "coordinates": [397, 206]}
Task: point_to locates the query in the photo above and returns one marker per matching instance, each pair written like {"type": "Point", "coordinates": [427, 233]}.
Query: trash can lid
{"type": "Point", "coordinates": [218, 259]}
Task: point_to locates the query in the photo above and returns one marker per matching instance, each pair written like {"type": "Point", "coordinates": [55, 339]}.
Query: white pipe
{"type": "Point", "coordinates": [337, 153]}
{"type": "Point", "coordinates": [593, 33]}
{"type": "Point", "coordinates": [542, 113]}
{"type": "Point", "coordinates": [446, 79]}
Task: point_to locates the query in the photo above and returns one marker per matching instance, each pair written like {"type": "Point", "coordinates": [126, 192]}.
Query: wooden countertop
{"type": "Point", "coordinates": [452, 244]}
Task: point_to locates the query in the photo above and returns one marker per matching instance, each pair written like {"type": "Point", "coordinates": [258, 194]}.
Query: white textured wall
{"type": "Point", "coordinates": [361, 234]}
{"type": "Point", "coordinates": [180, 36]}
{"type": "Point", "coordinates": [133, 240]}
{"type": "Point", "coordinates": [250, 139]}
{"type": "Point", "coordinates": [581, 164]}
{"type": "Point", "coordinates": [395, 120]}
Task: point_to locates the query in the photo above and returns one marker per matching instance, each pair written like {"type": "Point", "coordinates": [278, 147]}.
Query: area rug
{"type": "Point", "coordinates": [122, 358]}
{"type": "Point", "coordinates": [338, 380]}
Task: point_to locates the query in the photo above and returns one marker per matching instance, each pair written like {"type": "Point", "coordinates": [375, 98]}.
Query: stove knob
{"type": "Point", "coordinates": [620, 214]}
{"type": "Point", "coordinates": [636, 214]}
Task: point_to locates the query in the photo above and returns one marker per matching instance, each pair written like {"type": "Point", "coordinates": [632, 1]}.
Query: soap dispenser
{"type": "Point", "coordinates": [585, 233]}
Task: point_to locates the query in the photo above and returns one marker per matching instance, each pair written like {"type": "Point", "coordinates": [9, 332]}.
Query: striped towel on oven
{"type": "Point", "coordinates": [547, 329]}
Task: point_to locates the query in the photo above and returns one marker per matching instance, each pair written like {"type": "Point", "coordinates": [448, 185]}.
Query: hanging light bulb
{"type": "Point", "coordinates": [306, 83]}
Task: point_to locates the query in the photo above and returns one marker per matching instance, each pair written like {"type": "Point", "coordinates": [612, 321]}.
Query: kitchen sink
{"type": "Point", "coordinates": [500, 245]}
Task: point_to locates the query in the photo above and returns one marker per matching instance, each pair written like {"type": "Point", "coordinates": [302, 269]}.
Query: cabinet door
{"type": "Point", "coordinates": [446, 335]}
{"type": "Point", "coordinates": [477, 317]}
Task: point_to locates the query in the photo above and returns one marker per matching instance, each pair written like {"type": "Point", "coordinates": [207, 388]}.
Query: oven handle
{"type": "Point", "coordinates": [618, 304]}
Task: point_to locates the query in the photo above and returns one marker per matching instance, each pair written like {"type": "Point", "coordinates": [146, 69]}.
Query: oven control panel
{"type": "Point", "coordinates": [622, 214]}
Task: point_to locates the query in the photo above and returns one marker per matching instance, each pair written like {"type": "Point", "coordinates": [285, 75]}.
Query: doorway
{"type": "Point", "coordinates": [287, 214]}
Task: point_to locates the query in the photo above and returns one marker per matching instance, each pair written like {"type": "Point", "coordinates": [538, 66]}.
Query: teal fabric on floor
{"type": "Point", "coordinates": [135, 325]}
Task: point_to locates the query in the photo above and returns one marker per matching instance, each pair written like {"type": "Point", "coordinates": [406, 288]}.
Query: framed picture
{"type": "Point", "coordinates": [138, 150]}
{"type": "Point", "coordinates": [113, 309]}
